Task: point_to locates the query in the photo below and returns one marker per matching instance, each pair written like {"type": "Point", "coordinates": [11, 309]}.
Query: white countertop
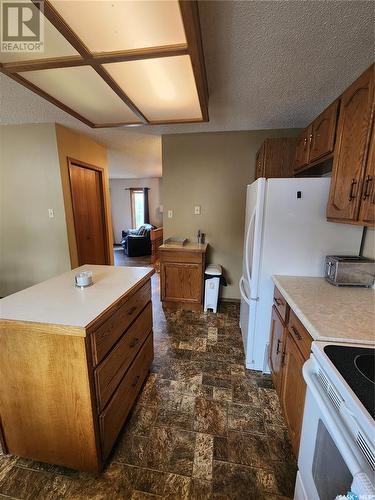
{"type": "Point", "coordinates": [330, 313]}
{"type": "Point", "coordinates": [58, 301]}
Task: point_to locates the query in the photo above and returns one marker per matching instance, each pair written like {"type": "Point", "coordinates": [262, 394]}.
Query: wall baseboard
{"type": "Point", "coordinates": [227, 300]}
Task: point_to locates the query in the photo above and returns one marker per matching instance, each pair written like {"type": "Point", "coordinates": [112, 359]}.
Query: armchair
{"type": "Point", "coordinates": [137, 242]}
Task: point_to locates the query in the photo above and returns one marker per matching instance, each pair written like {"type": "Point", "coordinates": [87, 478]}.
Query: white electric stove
{"type": "Point", "coordinates": [337, 449]}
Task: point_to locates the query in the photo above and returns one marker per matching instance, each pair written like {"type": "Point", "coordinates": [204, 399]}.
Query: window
{"type": "Point", "coordinates": [138, 207]}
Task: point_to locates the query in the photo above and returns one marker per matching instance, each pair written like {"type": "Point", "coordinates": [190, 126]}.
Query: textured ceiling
{"type": "Point", "coordinates": [270, 64]}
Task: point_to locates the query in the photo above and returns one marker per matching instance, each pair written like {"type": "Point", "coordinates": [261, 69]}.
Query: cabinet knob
{"type": "Point", "coordinates": [352, 193]}
{"type": "Point", "coordinates": [310, 138]}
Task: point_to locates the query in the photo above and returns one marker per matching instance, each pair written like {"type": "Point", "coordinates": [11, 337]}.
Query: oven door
{"type": "Point", "coordinates": [328, 458]}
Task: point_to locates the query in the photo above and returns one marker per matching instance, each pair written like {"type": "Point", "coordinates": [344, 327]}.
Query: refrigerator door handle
{"type": "Point", "coordinates": [242, 291]}
{"type": "Point", "coordinates": [252, 221]}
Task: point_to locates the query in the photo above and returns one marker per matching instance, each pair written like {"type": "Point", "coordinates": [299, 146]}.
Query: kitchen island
{"type": "Point", "coordinates": [72, 364]}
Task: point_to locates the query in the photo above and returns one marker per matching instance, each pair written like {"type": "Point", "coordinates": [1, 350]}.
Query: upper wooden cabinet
{"type": "Point", "coordinates": [275, 157]}
{"type": "Point", "coordinates": [367, 209]}
{"type": "Point", "coordinates": [302, 150]}
{"type": "Point", "coordinates": [322, 133]}
{"type": "Point", "coordinates": [317, 141]}
{"type": "Point", "coordinates": [349, 184]}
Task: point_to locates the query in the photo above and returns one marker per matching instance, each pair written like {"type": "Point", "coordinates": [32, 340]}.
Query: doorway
{"type": "Point", "coordinates": [86, 184]}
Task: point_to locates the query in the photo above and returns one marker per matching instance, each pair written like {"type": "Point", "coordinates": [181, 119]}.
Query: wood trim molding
{"type": "Point", "coordinates": [190, 17]}
{"type": "Point", "coordinates": [193, 48]}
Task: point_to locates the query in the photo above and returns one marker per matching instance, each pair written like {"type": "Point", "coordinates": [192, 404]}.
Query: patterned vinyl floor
{"type": "Point", "coordinates": [203, 426]}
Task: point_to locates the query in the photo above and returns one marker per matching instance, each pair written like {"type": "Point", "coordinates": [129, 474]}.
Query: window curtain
{"type": "Point", "coordinates": [146, 206]}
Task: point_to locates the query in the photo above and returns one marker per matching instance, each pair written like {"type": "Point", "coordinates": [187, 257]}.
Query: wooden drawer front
{"type": "Point", "coordinates": [300, 335]}
{"type": "Point", "coordinates": [280, 304]}
{"type": "Point", "coordinates": [113, 417]}
{"type": "Point", "coordinates": [110, 372]}
{"type": "Point", "coordinates": [109, 332]}
{"type": "Point", "coordinates": [181, 256]}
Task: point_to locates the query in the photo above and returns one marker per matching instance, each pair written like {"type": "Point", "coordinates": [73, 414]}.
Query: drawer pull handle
{"type": "Point", "coordinates": [135, 342]}
{"type": "Point", "coordinates": [131, 310]}
{"type": "Point", "coordinates": [278, 346]}
{"type": "Point", "coordinates": [352, 193]}
{"type": "Point", "coordinates": [136, 380]}
{"type": "Point", "coordinates": [296, 333]}
{"type": "Point", "coordinates": [278, 302]}
{"type": "Point", "coordinates": [367, 190]}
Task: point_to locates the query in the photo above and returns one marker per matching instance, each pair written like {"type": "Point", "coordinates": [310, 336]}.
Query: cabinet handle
{"type": "Point", "coordinates": [304, 143]}
{"type": "Point", "coordinates": [310, 138]}
{"type": "Point", "coordinates": [367, 187]}
{"type": "Point", "coordinates": [135, 342]}
{"type": "Point", "coordinates": [278, 346]}
{"type": "Point", "coordinates": [283, 358]}
{"type": "Point", "coordinates": [278, 302]}
{"type": "Point", "coordinates": [352, 194]}
{"type": "Point", "coordinates": [296, 333]}
{"type": "Point", "coordinates": [136, 381]}
{"type": "Point", "coordinates": [131, 310]}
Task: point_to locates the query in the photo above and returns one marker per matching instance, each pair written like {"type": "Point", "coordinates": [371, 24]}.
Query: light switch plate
{"type": "Point", "coordinates": [51, 213]}
{"type": "Point", "coordinates": [197, 210]}
{"type": "Point", "coordinates": [170, 214]}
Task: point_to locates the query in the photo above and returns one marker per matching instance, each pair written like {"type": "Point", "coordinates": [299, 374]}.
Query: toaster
{"type": "Point", "coordinates": [346, 270]}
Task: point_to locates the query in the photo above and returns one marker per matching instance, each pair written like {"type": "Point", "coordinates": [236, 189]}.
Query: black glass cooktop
{"type": "Point", "coordinates": [357, 366]}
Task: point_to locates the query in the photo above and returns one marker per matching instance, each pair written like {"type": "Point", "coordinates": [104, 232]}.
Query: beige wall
{"type": "Point", "coordinates": [33, 247]}
{"type": "Point", "coordinates": [212, 170]}
{"type": "Point", "coordinates": [120, 203]}
{"type": "Point", "coordinates": [76, 146]}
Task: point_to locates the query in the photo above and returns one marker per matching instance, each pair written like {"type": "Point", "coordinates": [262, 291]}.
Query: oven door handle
{"type": "Point", "coordinates": [338, 432]}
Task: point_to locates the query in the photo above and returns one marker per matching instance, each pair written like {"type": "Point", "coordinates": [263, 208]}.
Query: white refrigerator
{"type": "Point", "coordinates": [286, 232]}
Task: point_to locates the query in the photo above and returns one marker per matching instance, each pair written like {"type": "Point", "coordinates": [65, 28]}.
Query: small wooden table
{"type": "Point", "coordinates": [182, 275]}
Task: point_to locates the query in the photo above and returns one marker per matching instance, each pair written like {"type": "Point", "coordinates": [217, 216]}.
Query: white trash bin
{"type": "Point", "coordinates": [212, 285]}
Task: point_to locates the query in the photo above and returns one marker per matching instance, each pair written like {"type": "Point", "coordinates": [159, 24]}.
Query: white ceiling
{"type": "Point", "coordinates": [270, 64]}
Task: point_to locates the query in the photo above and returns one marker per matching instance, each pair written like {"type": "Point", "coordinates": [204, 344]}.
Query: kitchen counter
{"type": "Point", "coordinates": [330, 313]}
{"type": "Point", "coordinates": [58, 301]}
{"type": "Point", "coordinates": [190, 247]}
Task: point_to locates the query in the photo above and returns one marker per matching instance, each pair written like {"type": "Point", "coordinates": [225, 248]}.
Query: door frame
{"type": "Point", "coordinates": [101, 171]}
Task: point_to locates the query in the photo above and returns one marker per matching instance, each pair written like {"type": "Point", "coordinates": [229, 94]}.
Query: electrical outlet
{"type": "Point", "coordinates": [170, 214]}
{"type": "Point", "coordinates": [51, 213]}
{"type": "Point", "coordinates": [197, 210]}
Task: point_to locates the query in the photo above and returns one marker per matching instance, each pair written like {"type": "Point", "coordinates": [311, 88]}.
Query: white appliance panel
{"type": "Point", "coordinates": [294, 241]}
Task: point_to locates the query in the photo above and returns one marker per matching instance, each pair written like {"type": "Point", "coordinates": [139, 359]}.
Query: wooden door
{"type": "Point", "coordinates": [88, 212]}
{"type": "Point", "coordinates": [259, 163]}
{"type": "Point", "coordinates": [302, 150]}
{"type": "Point", "coordinates": [323, 133]}
{"type": "Point", "coordinates": [276, 349]}
{"type": "Point", "coordinates": [367, 210]}
{"type": "Point", "coordinates": [293, 390]}
{"type": "Point", "coordinates": [181, 282]}
{"type": "Point", "coordinates": [350, 149]}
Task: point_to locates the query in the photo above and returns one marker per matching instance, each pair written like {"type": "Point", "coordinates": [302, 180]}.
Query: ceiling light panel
{"type": "Point", "coordinates": [84, 91]}
{"type": "Point", "coordinates": [164, 88]}
{"type": "Point", "coordinates": [54, 45]}
{"type": "Point", "coordinates": [107, 26]}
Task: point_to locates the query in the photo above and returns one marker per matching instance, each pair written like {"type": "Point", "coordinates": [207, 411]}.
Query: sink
{"type": "Point", "coordinates": [365, 364]}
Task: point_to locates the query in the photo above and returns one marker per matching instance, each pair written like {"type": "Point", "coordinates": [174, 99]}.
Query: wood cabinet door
{"type": "Point", "coordinates": [181, 282]}
{"type": "Point", "coordinates": [293, 390]}
{"type": "Point", "coordinates": [350, 149]}
{"type": "Point", "coordinates": [323, 133]}
{"type": "Point", "coordinates": [278, 155]}
{"type": "Point", "coordinates": [259, 163]}
{"type": "Point", "coordinates": [367, 210]}
{"type": "Point", "coordinates": [302, 150]}
{"type": "Point", "coordinates": [276, 349]}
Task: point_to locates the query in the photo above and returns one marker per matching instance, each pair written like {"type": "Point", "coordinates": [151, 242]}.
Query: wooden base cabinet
{"type": "Point", "coordinates": [65, 392]}
{"type": "Point", "coordinates": [182, 276]}
{"type": "Point", "coordinates": [289, 348]}
{"type": "Point", "coordinates": [276, 349]}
